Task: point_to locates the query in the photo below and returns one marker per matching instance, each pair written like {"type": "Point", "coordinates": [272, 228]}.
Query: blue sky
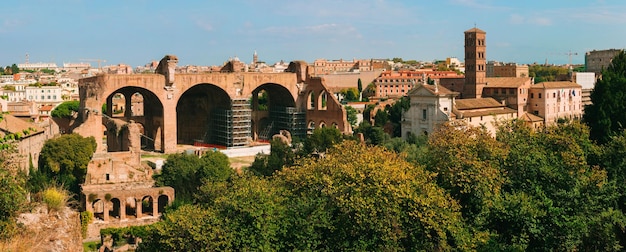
{"type": "Point", "coordinates": [209, 32]}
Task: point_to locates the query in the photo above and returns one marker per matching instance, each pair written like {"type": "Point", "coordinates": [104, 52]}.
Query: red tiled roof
{"type": "Point", "coordinates": [12, 124]}
{"type": "Point", "coordinates": [46, 108]}
{"type": "Point", "coordinates": [485, 112]}
{"type": "Point", "coordinates": [477, 103]}
{"type": "Point", "coordinates": [556, 84]}
{"type": "Point", "coordinates": [475, 30]}
{"type": "Point", "coordinates": [506, 82]}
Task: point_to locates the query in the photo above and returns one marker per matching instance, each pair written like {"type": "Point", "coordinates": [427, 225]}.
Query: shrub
{"type": "Point", "coordinates": [54, 198]}
{"type": "Point", "coordinates": [86, 217]}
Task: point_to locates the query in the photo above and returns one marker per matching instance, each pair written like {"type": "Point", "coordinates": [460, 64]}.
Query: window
{"type": "Point", "coordinates": [424, 114]}
{"type": "Point", "coordinates": [539, 95]}
{"type": "Point", "coordinates": [532, 95]}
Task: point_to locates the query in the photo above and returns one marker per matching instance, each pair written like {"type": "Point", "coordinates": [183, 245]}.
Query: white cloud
{"type": "Point", "coordinates": [9, 25]}
{"type": "Point", "coordinates": [532, 20]}
{"type": "Point", "coordinates": [476, 5]}
{"type": "Point", "coordinates": [204, 25]}
{"type": "Point", "coordinates": [321, 30]}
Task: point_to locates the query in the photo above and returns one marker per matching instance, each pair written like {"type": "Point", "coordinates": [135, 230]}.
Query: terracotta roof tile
{"type": "Point", "coordinates": [12, 124]}
{"type": "Point", "coordinates": [476, 103]}
{"type": "Point", "coordinates": [506, 82]}
{"type": "Point", "coordinates": [531, 118]}
{"type": "Point", "coordinates": [485, 112]}
{"type": "Point", "coordinates": [475, 30]}
{"type": "Point", "coordinates": [556, 84]}
{"type": "Point", "coordinates": [441, 90]}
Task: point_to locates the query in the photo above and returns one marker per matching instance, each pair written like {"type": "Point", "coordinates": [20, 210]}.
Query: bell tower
{"type": "Point", "coordinates": [475, 63]}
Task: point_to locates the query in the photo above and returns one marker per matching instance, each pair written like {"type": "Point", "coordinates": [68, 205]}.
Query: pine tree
{"type": "Point", "coordinates": [605, 116]}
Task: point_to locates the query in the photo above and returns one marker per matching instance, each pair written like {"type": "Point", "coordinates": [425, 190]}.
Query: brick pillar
{"type": "Point", "coordinates": [127, 105]}
{"type": "Point", "coordinates": [138, 208]}
{"type": "Point", "coordinates": [169, 122]}
{"type": "Point", "coordinates": [155, 207]}
{"type": "Point", "coordinates": [106, 210]}
{"type": "Point", "coordinates": [122, 210]}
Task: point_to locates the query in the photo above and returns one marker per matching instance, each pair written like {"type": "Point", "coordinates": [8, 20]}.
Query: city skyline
{"type": "Point", "coordinates": [209, 33]}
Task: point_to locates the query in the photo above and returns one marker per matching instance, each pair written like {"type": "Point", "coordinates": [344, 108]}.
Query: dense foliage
{"type": "Point", "coordinates": [12, 198]}
{"type": "Point", "coordinates": [186, 172]}
{"type": "Point", "coordinates": [66, 109]}
{"type": "Point", "coordinates": [605, 116]}
{"type": "Point", "coordinates": [543, 73]}
{"type": "Point", "coordinates": [460, 188]}
{"type": "Point", "coordinates": [64, 160]}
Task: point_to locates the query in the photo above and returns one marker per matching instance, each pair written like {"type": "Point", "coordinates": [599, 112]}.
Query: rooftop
{"type": "Point", "coordinates": [556, 84]}
{"type": "Point", "coordinates": [506, 82]}
{"type": "Point", "coordinates": [477, 103]}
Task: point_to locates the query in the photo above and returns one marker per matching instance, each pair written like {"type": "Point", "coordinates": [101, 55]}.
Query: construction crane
{"type": "Point", "coordinates": [100, 61]}
{"type": "Point", "coordinates": [569, 56]}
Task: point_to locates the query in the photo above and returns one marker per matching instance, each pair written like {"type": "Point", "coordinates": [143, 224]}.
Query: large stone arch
{"type": "Point", "coordinates": [151, 116]}
{"type": "Point", "coordinates": [197, 113]}
{"type": "Point", "coordinates": [281, 113]}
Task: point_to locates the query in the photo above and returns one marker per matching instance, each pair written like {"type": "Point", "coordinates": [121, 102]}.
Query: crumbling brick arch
{"type": "Point", "coordinates": [163, 201]}
{"type": "Point", "coordinates": [147, 205]}
{"type": "Point", "coordinates": [116, 208]}
{"type": "Point", "coordinates": [97, 208]}
{"type": "Point", "coordinates": [310, 100]}
{"type": "Point", "coordinates": [322, 100]}
{"type": "Point", "coordinates": [124, 203]}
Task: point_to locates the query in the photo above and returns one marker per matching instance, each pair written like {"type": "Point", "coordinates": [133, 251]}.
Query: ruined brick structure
{"type": "Point", "coordinates": [208, 108]}
{"type": "Point", "coordinates": [211, 108]}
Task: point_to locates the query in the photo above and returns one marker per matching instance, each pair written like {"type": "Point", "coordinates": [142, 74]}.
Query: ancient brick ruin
{"type": "Point", "coordinates": [131, 113]}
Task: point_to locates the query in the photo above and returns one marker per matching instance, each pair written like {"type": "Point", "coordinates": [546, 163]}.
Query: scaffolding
{"type": "Point", "coordinates": [232, 127]}
{"type": "Point", "coordinates": [288, 118]}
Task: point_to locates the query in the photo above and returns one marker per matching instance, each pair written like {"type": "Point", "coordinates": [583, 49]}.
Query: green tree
{"type": "Point", "coordinates": [361, 198]}
{"type": "Point", "coordinates": [64, 159]}
{"type": "Point", "coordinates": [467, 163]}
{"type": "Point", "coordinates": [350, 94]}
{"type": "Point", "coordinates": [614, 161]}
{"type": "Point", "coordinates": [280, 155]}
{"type": "Point", "coordinates": [66, 109]}
{"type": "Point", "coordinates": [252, 211]}
{"type": "Point", "coordinates": [351, 115]}
{"type": "Point", "coordinates": [605, 115]}
{"type": "Point", "coordinates": [186, 172]}
{"type": "Point", "coordinates": [15, 69]}
{"type": "Point", "coordinates": [372, 134]}
{"type": "Point", "coordinates": [381, 118]}
{"type": "Point", "coordinates": [12, 198]}
{"type": "Point", "coordinates": [360, 88]}
{"type": "Point", "coordinates": [188, 228]}
{"type": "Point", "coordinates": [555, 200]}
{"type": "Point", "coordinates": [395, 114]}
{"type": "Point", "coordinates": [321, 140]}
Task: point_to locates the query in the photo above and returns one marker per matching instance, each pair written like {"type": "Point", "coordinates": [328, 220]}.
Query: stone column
{"type": "Point", "coordinates": [155, 207]}
{"type": "Point", "coordinates": [105, 210]}
{"type": "Point", "coordinates": [169, 122]}
{"type": "Point", "coordinates": [128, 113]}
{"type": "Point", "coordinates": [122, 210]}
{"type": "Point", "coordinates": [138, 208]}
